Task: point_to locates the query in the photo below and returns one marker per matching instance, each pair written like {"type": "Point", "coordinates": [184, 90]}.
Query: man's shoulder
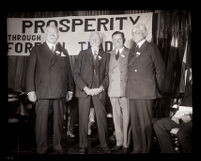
{"type": "Point", "coordinates": [39, 46]}
{"type": "Point", "coordinates": [126, 50]}
{"type": "Point", "coordinates": [85, 50]}
{"type": "Point", "coordinates": [151, 45]}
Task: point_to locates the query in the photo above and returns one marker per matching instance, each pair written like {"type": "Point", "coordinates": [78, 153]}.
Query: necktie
{"type": "Point", "coordinates": [95, 55]}
{"type": "Point", "coordinates": [117, 55]}
{"type": "Point", "coordinates": [52, 49]}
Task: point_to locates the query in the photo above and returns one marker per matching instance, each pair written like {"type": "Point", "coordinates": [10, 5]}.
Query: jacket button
{"type": "Point", "coordinates": [135, 70]}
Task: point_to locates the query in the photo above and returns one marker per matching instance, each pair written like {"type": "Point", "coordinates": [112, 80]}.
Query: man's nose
{"type": "Point", "coordinates": [53, 35]}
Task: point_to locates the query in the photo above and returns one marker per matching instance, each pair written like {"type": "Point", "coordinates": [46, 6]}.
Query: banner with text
{"type": "Point", "coordinates": [24, 33]}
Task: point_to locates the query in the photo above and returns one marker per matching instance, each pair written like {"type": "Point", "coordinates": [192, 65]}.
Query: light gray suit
{"type": "Point", "coordinates": [116, 92]}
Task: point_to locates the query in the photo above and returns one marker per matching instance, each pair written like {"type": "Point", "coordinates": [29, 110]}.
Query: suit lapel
{"type": "Point", "coordinates": [47, 54]}
{"type": "Point", "coordinates": [122, 56]}
{"type": "Point", "coordinates": [132, 56]}
{"type": "Point", "coordinates": [140, 50]}
{"type": "Point", "coordinates": [113, 60]}
{"type": "Point", "coordinates": [99, 57]}
{"type": "Point", "coordinates": [53, 57]}
{"type": "Point", "coordinates": [90, 56]}
{"type": "Point", "coordinates": [144, 45]}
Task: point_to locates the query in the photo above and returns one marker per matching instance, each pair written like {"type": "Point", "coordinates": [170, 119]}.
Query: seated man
{"type": "Point", "coordinates": [182, 121]}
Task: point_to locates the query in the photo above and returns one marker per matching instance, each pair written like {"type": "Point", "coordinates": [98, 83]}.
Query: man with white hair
{"type": "Point", "coordinates": [49, 84]}
{"type": "Point", "coordinates": [91, 79]}
{"type": "Point", "coordinates": [145, 76]}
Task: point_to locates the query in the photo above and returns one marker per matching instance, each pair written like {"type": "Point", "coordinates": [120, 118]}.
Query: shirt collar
{"type": "Point", "coordinates": [92, 49]}
{"type": "Point", "coordinates": [50, 45]}
{"type": "Point", "coordinates": [141, 42]}
{"type": "Point", "coordinates": [120, 50]}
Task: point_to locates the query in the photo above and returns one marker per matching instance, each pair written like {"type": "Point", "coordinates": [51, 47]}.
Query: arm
{"type": "Point", "coordinates": [69, 73]}
{"type": "Point", "coordinates": [77, 72]}
{"type": "Point", "coordinates": [105, 83]}
{"type": "Point", "coordinates": [69, 95]}
{"type": "Point", "coordinates": [30, 76]}
{"type": "Point", "coordinates": [159, 66]}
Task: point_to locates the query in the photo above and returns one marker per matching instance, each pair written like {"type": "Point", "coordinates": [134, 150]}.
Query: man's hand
{"type": "Point", "coordinates": [88, 91]}
{"type": "Point", "coordinates": [93, 91]}
{"type": "Point", "coordinates": [32, 96]}
{"type": "Point", "coordinates": [186, 118]}
{"type": "Point", "coordinates": [97, 91]}
{"type": "Point", "coordinates": [69, 96]}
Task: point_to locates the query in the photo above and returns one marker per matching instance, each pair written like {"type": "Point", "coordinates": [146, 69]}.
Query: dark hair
{"type": "Point", "coordinates": [121, 33]}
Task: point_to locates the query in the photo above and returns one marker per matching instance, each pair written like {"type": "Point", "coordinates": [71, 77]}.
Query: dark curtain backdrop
{"type": "Point", "coordinates": [166, 24]}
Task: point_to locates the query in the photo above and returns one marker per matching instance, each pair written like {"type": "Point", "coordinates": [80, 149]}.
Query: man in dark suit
{"type": "Point", "coordinates": [49, 83]}
{"type": "Point", "coordinates": [180, 124]}
{"type": "Point", "coordinates": [145, 75]}
{"type": "Point", "coordinates": [91, 79]}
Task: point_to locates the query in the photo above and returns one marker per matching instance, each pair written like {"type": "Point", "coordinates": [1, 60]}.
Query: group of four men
{"type": "Point", "coordinates": [132, 78]}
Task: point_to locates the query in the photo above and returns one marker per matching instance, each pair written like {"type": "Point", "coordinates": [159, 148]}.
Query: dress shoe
{"type": "Point", "coordinates": [41, 151]}
{"type": "Point", "coordinates": [58, 150]}
{"type": "Point", "coordinates": [106, 150]}
{"type": "Point", "coordinates": [126, 150]}
{"type": "Point", "coordinates": [135, 152]}
{"type": "Point", "coordinates": [83, 151]}
{"type": "Point", "coordinates": [116, 148]}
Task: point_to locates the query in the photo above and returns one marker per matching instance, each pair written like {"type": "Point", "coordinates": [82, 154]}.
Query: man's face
{"type": "Point", "coordinates": [52, 34]}
{"type": "Point", "coordinates": [95, 40]}
{"type": "Point", "coordinates": [137, 35]}
{"type": "Point", "coordinates": [118, 41]}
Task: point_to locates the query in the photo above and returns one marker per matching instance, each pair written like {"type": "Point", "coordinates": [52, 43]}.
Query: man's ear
{"type": "Point", "coordinates": [124, 40]}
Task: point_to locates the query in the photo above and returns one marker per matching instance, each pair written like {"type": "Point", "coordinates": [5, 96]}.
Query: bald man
{"type": "Point", "coordinates": [49, 85]}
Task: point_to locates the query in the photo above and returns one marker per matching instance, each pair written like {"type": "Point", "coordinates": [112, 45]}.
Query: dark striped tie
{"type": "Point", "coordinates": [117, 55]}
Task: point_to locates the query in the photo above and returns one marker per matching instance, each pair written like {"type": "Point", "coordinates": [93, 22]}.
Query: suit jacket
{"type": "Point", "coordinates": [49, 74]}
{"type": "Point", "coordinates": [145, 72]}
{"type": "Point", "coordinates": [118, 74]}
{"type": "Point", "coordinates": [84, 71]}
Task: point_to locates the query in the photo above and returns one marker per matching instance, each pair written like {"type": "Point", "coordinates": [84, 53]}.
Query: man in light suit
{"type": "Point", "coordinates": [91, 79]}
{"type": "Point", "coordinates": [49, 84]}
{"type": "Point", "coordinates": [116, 91]}
{"type": "Point", "coordinates": [145, 76]}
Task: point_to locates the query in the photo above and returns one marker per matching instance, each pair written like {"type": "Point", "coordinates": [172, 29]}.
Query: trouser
{"type": "Point", "coordinates": [41, 127]}
{"type": "Point", "coordinates": [121, 119]}
{"type": "Point", "coordinates": [141, 124]}
{"type": "Point", "coordinates": [100, 113]}
{"type": "Point", "coordinates": [162, 128]}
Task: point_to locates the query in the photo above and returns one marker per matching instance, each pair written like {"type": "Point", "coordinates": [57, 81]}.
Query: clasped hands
{"type": "Point", "coordinates": [93, 91]}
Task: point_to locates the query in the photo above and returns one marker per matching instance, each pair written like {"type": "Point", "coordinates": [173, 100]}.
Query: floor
{"type": "Point", "coordinates": [21, 141]}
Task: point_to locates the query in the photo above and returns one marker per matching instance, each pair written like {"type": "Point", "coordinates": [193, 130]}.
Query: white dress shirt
{"type": "Point", "coordinates": [140, 43]}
